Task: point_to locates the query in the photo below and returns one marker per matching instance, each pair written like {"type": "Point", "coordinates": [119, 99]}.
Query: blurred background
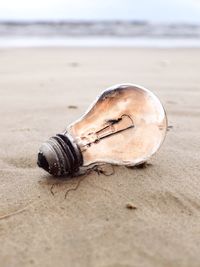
{"type": "Point", "coordinates": [100, 23]}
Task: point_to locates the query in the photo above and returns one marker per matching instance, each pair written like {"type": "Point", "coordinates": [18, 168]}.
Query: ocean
{"type": "Point", "coordinates": [98, 34]}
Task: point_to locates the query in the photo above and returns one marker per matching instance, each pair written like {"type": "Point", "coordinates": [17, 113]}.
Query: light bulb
{"type": "Point", "coordinates": [125, 126]}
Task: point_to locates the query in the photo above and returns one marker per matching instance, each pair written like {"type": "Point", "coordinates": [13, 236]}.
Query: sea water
{"type": "Point", "coordinates": [98, 34]}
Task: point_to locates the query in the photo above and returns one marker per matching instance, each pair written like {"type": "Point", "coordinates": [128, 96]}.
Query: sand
{"type": "Point", "coordinates": [95, 225]}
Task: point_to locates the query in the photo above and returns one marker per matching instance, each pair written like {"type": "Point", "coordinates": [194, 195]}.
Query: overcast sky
{"type": "Point", "coordinates": [151, 10]}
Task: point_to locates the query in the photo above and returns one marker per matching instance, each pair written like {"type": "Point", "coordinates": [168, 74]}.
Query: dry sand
{"type": "Point", "coordinates": [94, 226]}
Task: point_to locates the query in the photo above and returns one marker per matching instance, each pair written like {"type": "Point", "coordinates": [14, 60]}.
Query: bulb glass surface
{"type": "Point", "coordinates": [126, 125]}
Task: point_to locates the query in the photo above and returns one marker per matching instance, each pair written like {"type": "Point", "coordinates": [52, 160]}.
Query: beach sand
{"type": "Point", "coordinates": [94, 226]}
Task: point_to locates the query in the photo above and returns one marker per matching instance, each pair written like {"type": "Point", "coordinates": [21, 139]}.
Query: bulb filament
{"type": "Point", "coordinates": [113, 126]}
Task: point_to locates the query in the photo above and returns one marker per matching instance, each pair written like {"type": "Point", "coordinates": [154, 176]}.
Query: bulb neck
{"type": "Point", "coordinates": [60, 156]}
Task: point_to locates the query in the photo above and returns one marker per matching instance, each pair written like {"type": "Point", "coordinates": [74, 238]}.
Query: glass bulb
{"type": "Point", "coordinates": [125, 126]}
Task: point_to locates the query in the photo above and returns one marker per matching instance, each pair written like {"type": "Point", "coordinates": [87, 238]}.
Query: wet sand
{"type": "Point", "coordinates": [135, 217]}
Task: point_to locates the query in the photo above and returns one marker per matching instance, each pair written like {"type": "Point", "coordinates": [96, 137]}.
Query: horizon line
{"type": "Point", "coordinates": [88, 21]}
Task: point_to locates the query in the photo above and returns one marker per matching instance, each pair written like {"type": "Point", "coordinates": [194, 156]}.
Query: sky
{"type": "Point", "coordinates": [151, 10]}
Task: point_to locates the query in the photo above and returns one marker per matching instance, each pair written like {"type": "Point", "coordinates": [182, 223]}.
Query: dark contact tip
{"type": "Point", "coordinates": [42, 162]}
